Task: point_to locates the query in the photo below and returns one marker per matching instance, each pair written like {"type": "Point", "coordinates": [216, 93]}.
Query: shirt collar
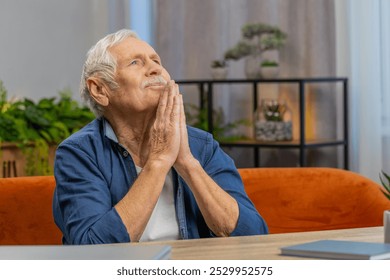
{"type": "Point", "coordinates": [108, 131]}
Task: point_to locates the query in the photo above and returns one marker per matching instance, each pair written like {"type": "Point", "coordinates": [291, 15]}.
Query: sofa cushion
{"type": "Point", "coordinates": [310, 199]}
{"type": "Point", "coordinates": [26, 211]}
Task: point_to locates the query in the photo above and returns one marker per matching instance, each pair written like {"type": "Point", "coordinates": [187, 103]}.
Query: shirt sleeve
{"type": "Point", "coordinates": [224, 172]}
{"type": "Point", "coordinates": [82, 203]}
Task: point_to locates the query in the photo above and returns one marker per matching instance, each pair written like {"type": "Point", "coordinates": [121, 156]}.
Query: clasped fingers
{"type": "Point", "coordinates": [165, 132]}
{"type": "Point", "coordinates": [169, 104]}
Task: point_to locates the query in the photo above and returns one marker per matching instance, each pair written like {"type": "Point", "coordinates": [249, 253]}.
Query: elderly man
{"type": "Point", "coordinates": [137, 172]}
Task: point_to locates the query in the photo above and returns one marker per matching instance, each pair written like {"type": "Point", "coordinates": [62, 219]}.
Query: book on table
{"type": "Point", "coordinates": [339, 249]}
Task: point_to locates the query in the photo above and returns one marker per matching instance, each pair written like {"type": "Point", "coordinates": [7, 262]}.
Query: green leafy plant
{"type": "Point", "coordinates": [219, 63]}
{"type": "Point", "coordinates": [257, 38]}
{"type": "Point", "coordinates": [273, 110]}
{"type": "Point", "coordinates": [269, 63]}
{"type": "Point", "coordinates": [240, 50]}
{"type": "Point", "coordinates": [34, 126]}
{"type": "Point", "coordinates": [222, 131]}
{"type": "Point", "coordinates": [385, 180]}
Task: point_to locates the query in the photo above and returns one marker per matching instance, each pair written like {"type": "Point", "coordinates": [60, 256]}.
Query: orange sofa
{"type": "Point", "coordinates": [26, 212]}
{"type": "Point", "coordinates": [312, 199]}
{"type": "Point", "coordinates": [289, 199]}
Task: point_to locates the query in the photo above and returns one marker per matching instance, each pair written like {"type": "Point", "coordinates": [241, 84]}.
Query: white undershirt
{"type": "Point", "coordinates": [162, 224]}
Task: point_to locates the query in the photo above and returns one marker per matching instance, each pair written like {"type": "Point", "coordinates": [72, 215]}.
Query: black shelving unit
{"type": "Point", "coordinates": [206, 87]}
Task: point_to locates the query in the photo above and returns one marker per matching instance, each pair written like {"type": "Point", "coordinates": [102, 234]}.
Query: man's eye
{"type": "Point", "coordinates": [134, 62]}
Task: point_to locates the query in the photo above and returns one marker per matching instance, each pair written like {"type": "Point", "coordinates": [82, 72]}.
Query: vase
{"type": "Point", "coordinates": [273, 121]}
{"type": "Point", "coordinates": [252, 66]}
{"type": "Point", "coordinates": [269, 72]}
{"type": "Point", "coordinates": [219, 73]}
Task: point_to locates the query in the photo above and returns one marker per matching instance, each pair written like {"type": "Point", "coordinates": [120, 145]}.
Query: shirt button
{"type": "Point", "coordinates": [125, 153]}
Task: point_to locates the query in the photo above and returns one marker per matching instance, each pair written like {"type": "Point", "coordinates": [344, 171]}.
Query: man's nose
{"type": "Point", "coordinates": [154, 69]}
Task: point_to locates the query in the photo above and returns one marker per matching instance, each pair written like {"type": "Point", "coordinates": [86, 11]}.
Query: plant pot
{"type": "Point", "coordinates": [219, 73]}
{"type": "Point", "coordinates": [252, 67]}
{"type": "Point", "coordinates": [17, 162]}
{"type": "Point", "coordinates": [273, 121]}
{"type": "Point", "coordinates": [269, 72]}
{"type": "Point", "coordinates": [273, 131]}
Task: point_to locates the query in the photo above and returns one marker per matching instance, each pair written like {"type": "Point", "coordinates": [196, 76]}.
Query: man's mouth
{"type": "Point", "coordinates": [154, 85]}
{"type": "Point", "coordinates": [155, 82]}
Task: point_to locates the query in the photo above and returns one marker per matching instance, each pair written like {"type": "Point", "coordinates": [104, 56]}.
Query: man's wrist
{"type": "Point", "coordinates": [156, 165]}
{"type": "Point", "coordinates": [187, 166]}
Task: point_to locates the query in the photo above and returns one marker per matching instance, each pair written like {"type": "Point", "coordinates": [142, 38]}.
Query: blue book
{"type": "Point", "coordinates": [339, 249]}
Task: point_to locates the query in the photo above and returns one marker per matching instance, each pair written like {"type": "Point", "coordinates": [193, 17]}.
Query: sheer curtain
{"type": "Point", "coordinates": [385, 81]}
{"type": "Point", "coordinates": [363, 54]}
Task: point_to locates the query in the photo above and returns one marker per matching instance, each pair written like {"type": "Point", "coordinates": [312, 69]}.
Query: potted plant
{"type": "Point", "coordinates": [269, 69]}
{"type": "Point", "coordinates": [385, 180]}
{"type": "Point", "coordinates": [30, 131]}
{"type": "Point", "coordinates": [273, 121]}
{"type": "Point", "coordinates": [257, 39]}
{"type": "Point", "coordinates": [219, 69]}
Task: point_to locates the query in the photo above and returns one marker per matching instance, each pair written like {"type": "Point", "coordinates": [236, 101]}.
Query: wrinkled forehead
{"type": "Point", "coordinates": [131, 47]}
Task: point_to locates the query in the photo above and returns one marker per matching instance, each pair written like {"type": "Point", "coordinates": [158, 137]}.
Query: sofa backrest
{"type": "Point", "coordinates": [289, 199]}
{"type": "Point", "coordinates": [26, 211]}
{"type": "Point", "coordinates": [310, 199]}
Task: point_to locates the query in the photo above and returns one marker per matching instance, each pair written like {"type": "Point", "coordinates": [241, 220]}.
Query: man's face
{"type": "Point", "coordinates": [140, 76]}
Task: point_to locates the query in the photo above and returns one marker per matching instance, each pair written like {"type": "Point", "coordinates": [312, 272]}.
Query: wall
{"type": "Point", "coordinates": [43, 43]}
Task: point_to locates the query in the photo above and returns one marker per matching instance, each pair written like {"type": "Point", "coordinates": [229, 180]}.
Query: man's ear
{"type": "Point", "coordinates": [98, 91]}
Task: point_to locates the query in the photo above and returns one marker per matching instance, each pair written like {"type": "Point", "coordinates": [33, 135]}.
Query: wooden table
{"type": "Point", "coordinates": [262, 247]}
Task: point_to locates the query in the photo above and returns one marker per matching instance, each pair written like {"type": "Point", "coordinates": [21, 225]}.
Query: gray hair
{"type": "Point", "coordinates": [100, 63]}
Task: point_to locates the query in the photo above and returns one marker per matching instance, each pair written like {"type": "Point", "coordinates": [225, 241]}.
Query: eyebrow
{"type": "Point", "coordinates": [155, 56]}
{"type": "Point", "coordinates": [142, 56]}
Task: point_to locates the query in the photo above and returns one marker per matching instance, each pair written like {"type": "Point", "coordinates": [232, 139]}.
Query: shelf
{"type": "Point", "coordinates": [283, 144]}
{"type": "Point", "coordinates": [206, 88]}
{"type": "Point", "coordinates": [276, 80]}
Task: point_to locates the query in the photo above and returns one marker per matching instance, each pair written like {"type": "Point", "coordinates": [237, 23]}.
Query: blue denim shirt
{"type": "Point", "coordinates": [94, 172]}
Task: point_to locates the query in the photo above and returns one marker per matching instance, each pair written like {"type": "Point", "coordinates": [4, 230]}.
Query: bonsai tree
{"type": "Point", "coordinates": [241, 49]}
{"type": "Point", "coordinates": [219, 63]}
{"type": "Point", "coordinates": [257, 38]}
{"type": "Point", "coordinates": [219, 69]}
